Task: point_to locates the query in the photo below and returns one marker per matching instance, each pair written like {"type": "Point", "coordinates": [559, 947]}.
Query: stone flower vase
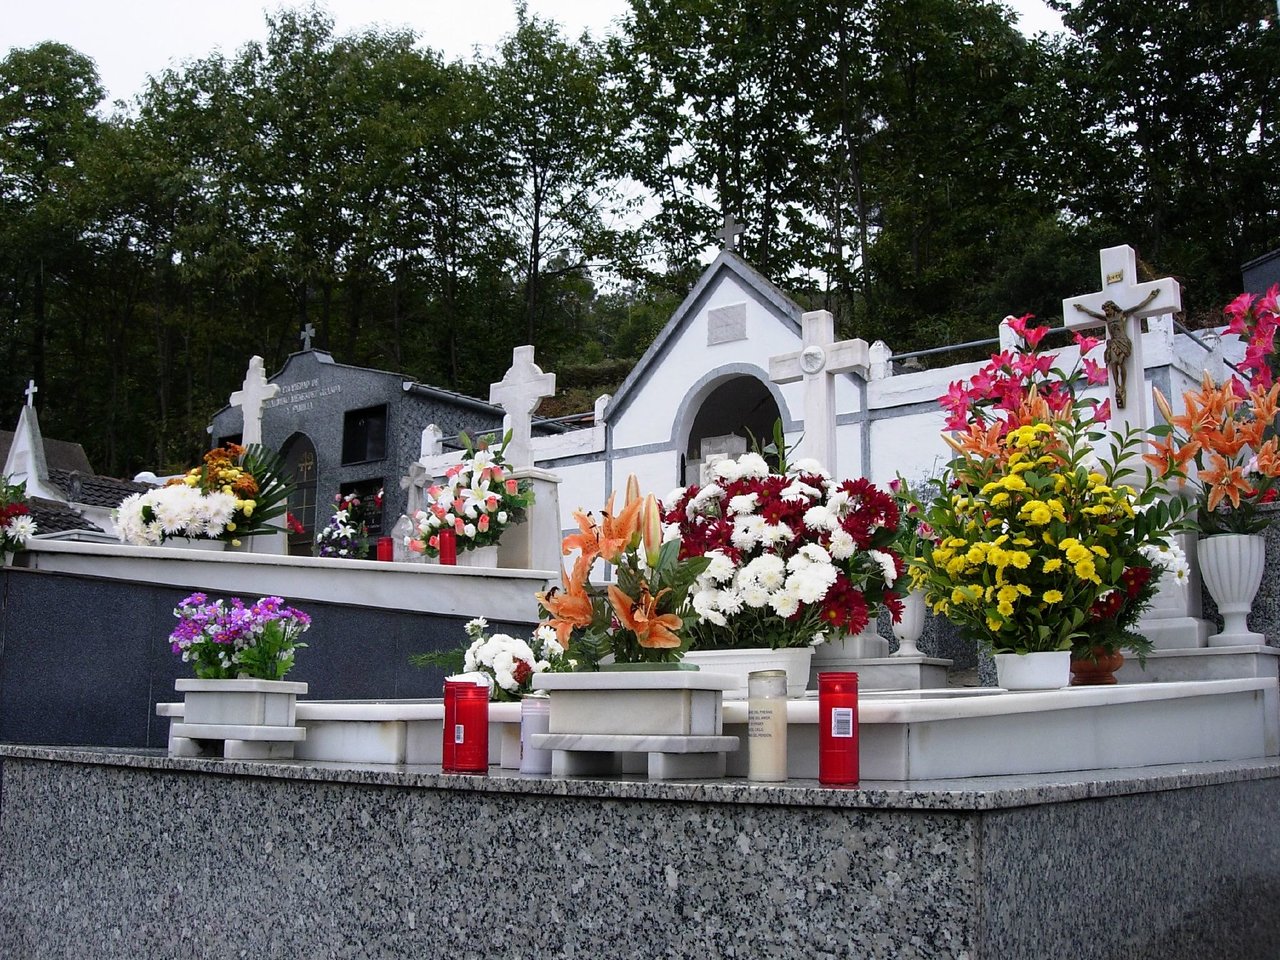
{"type": "Point", "coordinates": [911, 626]}
{"type": "Point", "coordinates": [1232, 565]}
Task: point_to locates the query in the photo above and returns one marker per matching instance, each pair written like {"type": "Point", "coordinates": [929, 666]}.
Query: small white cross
{"type": "Point", "coordinates": [816, 364]}
{"type": "Point", "coordinates": [1121, 306]}
{"type": "Point", "coordinates": [519, 393]}
{"type": "Point", "coordinates": [729, 233]}
{"type": "Point", "coordinates": [31, 392]}
{"type": "Point", "coordinates": [307, 333]}
{"type": "Point", "coordinates": [253, 393]}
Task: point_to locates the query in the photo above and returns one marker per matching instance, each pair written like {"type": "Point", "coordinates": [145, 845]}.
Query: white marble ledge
{"type": "Point", "coordinates": [372, 711]}
{"type": "Point", "coordinates": [412, 587]}
{"type": "Point", "coordinates": [958, 703]}
{"type": "Point", "coordinates": [999, 702]}
{"type": "Point", "coordinates": [1261, 649]}
{"type": "Point", "coordinates": [912, 706]}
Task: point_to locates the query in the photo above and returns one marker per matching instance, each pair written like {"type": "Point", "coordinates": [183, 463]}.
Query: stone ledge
{"type": "Point", "coordinates": [977, 793]}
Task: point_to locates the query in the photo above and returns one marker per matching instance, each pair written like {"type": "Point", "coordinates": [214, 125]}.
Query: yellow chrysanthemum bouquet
{"type": "Point", "coordinates": [1043, 539]}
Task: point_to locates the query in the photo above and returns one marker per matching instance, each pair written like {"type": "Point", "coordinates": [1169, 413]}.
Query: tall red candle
{"type": "Point", "coordinates": [385, 549]}
{"type": "Point", "coordinates": [448, 547]}
{"type": "Point", "coordinates": [471, 729]}
{"type": "Point", "coordinates": [450, 719]}
{"type": "Point", "coordinates": [838, 729]}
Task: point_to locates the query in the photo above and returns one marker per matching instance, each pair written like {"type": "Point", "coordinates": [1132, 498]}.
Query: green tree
{"type": "Point", "coordinates": [557, 123]}
{"type": "Point", "coordinates": [47, 97]}
{"type": "Point", "coordinates": [1171, 144]}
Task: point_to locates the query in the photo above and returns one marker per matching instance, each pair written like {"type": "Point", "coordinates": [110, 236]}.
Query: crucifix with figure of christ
{"type": "Point", "coordinates": [818, 361]}
{"type": "Point", "coordinates": [1123, 324]}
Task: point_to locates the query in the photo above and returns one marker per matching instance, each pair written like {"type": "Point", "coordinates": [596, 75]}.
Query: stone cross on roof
{"type": "Point", "coordinates": [817, 363]}
{"type": "Point", "coordinates": [31, 392]}
{"type": "Point", "coordinates": [250, 398]}
{"type": "Point", "coordinates": [729, 233]}
{"type": "Point", "coordinates": [307, 333]}
{"type": "Point", "coordinates": [519, 393]}
{"type": "Point", "coordinates": [1121, 306]}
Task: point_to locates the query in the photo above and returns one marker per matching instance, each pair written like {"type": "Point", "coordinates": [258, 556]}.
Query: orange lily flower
{"type": "Point", "coordinates": [979, 442]}
{"type": "Point", "coordinates": [587, 540]}
{"type": "Point", "coordinates": [1226, 440]}
{"type": "Point", "coordinates": [1265, 403]}
{"type": "Point", "coordinates": [569, 608]}
{"type": "Point", "coordinates": [1269, 458]}
{"type": "Point", "coordinates": [617, 532]}
{"type": "Point", "coordinates": [1168, 458]}
{"type": "Point", "coordinates": [1226, 481]}
{"type": "Point", "coordinates": [652, 630]}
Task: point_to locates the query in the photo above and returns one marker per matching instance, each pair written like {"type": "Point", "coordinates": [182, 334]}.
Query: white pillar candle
{"type": "Point", "coordinates": [767, 726]}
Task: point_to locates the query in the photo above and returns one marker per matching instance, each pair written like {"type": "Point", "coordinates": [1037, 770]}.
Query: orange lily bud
{"type": "Point", "coordinates": [633, 490]}
{"type": "Point", "coordinates": [1162, 405]}
{"type": "Point", "coordinates": [651, 529]}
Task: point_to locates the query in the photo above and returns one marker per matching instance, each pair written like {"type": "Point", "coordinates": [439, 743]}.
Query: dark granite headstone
{"type": "Point", "coordinates": [342, 427]}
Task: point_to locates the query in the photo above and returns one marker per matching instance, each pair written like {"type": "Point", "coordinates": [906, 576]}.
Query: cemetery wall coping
{"type": "Point", "coordinates": [972, 794]}
{"type": "Point", "coordinates": [415, 587]}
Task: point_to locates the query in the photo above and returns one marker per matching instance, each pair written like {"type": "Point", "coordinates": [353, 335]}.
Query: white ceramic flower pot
{"type": "Point", "coordinates": [479, 557]}
{"type": "Point", "coordinates": [911, 626]}
{"type": "Point", "coordinates": [1232, 565]}
{"type": "Point", "coordinates": [739, 663]}
{"type": "Point", "coordinates": [1034, 671]}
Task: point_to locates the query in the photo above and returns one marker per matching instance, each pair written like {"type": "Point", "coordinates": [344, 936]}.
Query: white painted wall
{"type": "Point", "coordinates": [903, 422]}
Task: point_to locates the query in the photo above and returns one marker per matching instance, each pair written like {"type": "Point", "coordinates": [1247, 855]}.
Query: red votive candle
{"type": "Point", "coordinates": [837, 729]}
{"type": "Point", "coordinates": [448, 547]}
{"type": "Point", "coordinates": [450, 719]}
{"type": "Point", "coordinates": [471, 729]}
{"type": "Point", "coordinates": [385, 551]}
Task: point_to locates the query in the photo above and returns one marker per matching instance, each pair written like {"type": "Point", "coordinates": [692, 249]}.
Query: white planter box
{"type": "Point", "coordinates": [271, 703]}
{"type": "Point", "coordinates": [639, 703]}
{"type": "Point", "coordinates": [240, 719]}
{"type": "Point", "coordinates": [739, 663]}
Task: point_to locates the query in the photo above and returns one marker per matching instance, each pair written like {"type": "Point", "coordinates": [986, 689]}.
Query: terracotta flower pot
{"type": "Point", "coordinates": [1098, 670]}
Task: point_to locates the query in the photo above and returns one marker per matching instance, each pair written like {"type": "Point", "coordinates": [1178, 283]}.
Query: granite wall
{"type": "Point", "coordinates": [150, 857]}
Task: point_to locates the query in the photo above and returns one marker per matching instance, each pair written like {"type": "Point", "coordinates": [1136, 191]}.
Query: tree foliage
{"type": "Point", "coordinates": [919, 167]}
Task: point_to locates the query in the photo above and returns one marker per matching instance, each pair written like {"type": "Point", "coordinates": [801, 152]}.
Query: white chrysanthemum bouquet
{"type": "Point", "coordinates": [796, 558]}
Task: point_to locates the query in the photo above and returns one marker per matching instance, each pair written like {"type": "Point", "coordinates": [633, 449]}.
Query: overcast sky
{"type": "Point", "coordinates": [130, 39]}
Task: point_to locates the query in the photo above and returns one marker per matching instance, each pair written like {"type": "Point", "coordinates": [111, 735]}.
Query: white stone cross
{"type": "Point", "coordinates": [817, 364]}
{"type": "Point", "coordinates": [1121, 306]}
{"type": "Point", "coordinates": [31, 392]}
{"type": "Point", "coordinates": [729, 233]}
{"type": "Point", "coordinates": [519, 393]}
{"type": "Point", "coordinates": [307, 333]}
{"type": "Point", "coordinates": [250, 397]}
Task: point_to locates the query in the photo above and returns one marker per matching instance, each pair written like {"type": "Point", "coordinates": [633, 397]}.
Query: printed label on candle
{"type": "Point", "coordinates": [760, 721]}
{"type": "Point", "coordinates": [841, 722]}
{"type": "Point", "coordinates": [459, 733]}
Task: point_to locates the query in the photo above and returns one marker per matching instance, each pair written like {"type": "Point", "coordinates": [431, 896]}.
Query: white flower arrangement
{"type": "Point", "coordinates": [508, 664]}
{"type": "Point", "coordinates": [148, 519]}
{"type": "Point", "coordinates": [476, 503]}
{"type": "Point", "coordinates": [794, 557]}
